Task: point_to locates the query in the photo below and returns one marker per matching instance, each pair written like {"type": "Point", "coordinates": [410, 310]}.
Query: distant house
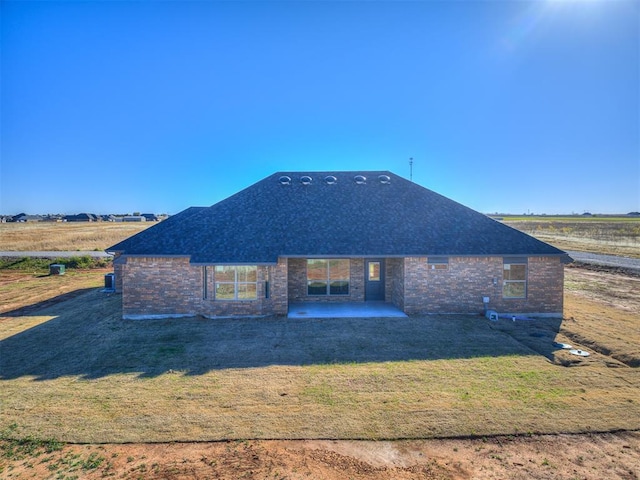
{"type": "Point", "coordinates": [81, 217]}
{"type": "Point", "coordinates": [23, 217]}
{"type": "Point", "coordinates": [134, 218]}
{"type": "Point", "coordinates": [108, 218]}
{"type": "Point", "coordinates": [335, 237]}
{"type": "Point", "coordinates": [150, 217]}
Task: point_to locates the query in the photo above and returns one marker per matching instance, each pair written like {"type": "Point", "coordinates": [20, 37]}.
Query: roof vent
{"type": "Point", "coordinates": [384, 179]}
{"type": "Point", "coordinates": [330, 180]}
{"type": "Point", "coordinates": [360, 179]}
{"type": "Point", "coordinates": [284, 180]}
{"type": "Point", "coordinates": [306, 180]}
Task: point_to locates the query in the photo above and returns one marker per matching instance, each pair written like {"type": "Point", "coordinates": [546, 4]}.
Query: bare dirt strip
{"type": "Point", "coordinates": [549, 457]}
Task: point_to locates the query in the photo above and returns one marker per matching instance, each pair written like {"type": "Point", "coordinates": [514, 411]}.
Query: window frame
{"type": "Point", "coordinates": [377, 273]}
{"type": "Point", "coordinates": [239, 285]}
{"type": "Point", "coordinates": [438, 263]}
{"type": "Point", "coordinates": [508, 282]}
{"type": "Point", "coordinates": [329, 282]}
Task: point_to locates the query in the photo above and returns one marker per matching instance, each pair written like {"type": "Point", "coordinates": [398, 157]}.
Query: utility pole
{"type": "Point", "coordinates": [411, 169]}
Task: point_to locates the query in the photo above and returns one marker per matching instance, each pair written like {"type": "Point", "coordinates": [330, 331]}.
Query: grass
{"type": "Point", "coordinates": [46, 236]}
{"type": "Point", "coordinates": [76, 372]}
{"type": "Point", "coordinates": [20, 288]}
{"type": "Point", "coordinates": [41, 265]}
{"type": "Point", "coordinates": [569, 218]}
{"type": "Point", "coordinates": [608, 235]}
{"type": "Point", "coordinates": [16, 448]}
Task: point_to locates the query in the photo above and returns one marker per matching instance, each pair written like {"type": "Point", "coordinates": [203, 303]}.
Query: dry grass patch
{"type": "Point", "coordinates": [613, 236]}
{"type": "Point", "coordinates": [603, 311]}
{"type": "Point", "coordinates": [45, 236]}
{"type": "Point", "coordinates": [76, 372]}
{"type": "Point", "coordinates": [20, 289]}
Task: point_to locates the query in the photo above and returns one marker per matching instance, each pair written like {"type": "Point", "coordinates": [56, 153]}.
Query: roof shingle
{"type": "Point", "coordinates": [344, 218]}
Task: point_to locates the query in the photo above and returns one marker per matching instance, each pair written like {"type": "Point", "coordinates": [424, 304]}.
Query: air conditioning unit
{"type": "Point", "coordinates": [110, 281]}
{"type": "Point", "coordinates": [56, 269]}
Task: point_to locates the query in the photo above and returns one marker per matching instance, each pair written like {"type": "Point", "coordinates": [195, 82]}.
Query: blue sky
{"type": "Point", "coordinates": [507, 106]}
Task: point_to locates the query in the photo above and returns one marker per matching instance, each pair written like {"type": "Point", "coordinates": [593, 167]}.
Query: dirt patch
{"type": "Point", "coordinates": [595, 456]}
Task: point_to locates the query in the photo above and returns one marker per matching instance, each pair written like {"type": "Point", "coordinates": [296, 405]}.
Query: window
{"type": "Point", "coordinates": [236, 282]}
{"type": "Point", "coordinates": [514, 279]}
{"type": "Point", "coordinates": [438, 263]}
{"type": "Point", "coordinates": [374, 272]}
{"type": "Point", "coordinates": [328, 277]}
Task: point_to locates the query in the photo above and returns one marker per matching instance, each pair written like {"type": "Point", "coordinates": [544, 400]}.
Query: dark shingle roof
{"type": "Point", "coordinates": [270, 219]}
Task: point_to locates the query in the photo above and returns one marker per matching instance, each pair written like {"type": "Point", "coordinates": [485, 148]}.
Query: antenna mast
{"type": "Point", "coordinates": [411, 169]}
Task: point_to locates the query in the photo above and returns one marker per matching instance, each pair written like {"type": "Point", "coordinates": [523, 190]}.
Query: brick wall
{"type": "Point", "coordinates": [172, 286]}
{"type": "Point", "coordinates": [394, 282]}
{"type": "Point", "coordinates": [119, 264]}
{"type": "Point", "coordinates": [460, 288]}
{"type": "Point", "coordinates": [161, 286]}
{"type": "Point", "coordinates": [278, 301]}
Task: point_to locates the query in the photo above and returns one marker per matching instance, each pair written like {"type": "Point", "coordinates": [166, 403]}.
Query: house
{"type": "Point", "coordinates": [335, 237]}
{"type": "Point", "coordinates": [134, 218]}
{"type": "Point", "coordinates": [23, 218]}
{"type": "Point", "coordinates": [82, 217]}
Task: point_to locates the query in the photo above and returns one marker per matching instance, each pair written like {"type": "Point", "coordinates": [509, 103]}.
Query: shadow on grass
{"type": "Point", "coordinates": [87, 337]}
{"type": "Point", "coordinates": [32, 309]}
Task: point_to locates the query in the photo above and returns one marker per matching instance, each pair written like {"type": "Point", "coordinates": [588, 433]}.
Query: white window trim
{"type": "Point", "coordinates": [235, 284]}
{"type": "Point", "coordinates": [506, 282]}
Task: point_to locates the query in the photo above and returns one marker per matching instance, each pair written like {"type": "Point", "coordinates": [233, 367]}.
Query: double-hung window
{"type": "Point", "coordinates": [328, 276]}
{"type": "Point", "coordinates": [236, 282]}
{"type": "Point", "coordinates": [514, 278]}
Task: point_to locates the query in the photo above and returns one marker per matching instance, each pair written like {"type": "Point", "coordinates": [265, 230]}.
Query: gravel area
{"type": "Point", "coordinates": [606, 260]}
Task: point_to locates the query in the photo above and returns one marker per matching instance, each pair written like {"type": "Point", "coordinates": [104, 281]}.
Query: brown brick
{"type": "Point", "coordinates": [172, 286]}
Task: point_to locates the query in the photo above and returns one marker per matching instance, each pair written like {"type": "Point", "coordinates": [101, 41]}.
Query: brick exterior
{"type": "Point", "coordinates": [460, 288]}
{"type": "Point", "coordinates": [162, 286]}
{"type": "Point", "coordinates": [118, 270]}
{"type": "Point", "coordinates": [394, 282]}
{"type": "Point", "coordinates": [174, 287]}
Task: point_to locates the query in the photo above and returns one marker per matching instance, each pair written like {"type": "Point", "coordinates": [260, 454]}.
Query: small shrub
{"type": "Point", "coordinates": [92, 462]}
{"type": "Point", "coordinates": [33, 264]}
{"type": "Point", "coordinates": [19, 448]}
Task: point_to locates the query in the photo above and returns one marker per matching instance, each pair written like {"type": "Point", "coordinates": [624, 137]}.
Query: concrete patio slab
{"type": "Point", "coordinates": [344, 310]}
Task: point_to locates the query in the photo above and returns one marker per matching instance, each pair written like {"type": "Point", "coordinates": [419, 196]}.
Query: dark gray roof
{"type": "Point", "coordinates": [344, 218]}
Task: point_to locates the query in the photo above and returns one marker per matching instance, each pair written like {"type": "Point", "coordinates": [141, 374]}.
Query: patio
{"type": "Point", "coordinates": [344, 310]}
